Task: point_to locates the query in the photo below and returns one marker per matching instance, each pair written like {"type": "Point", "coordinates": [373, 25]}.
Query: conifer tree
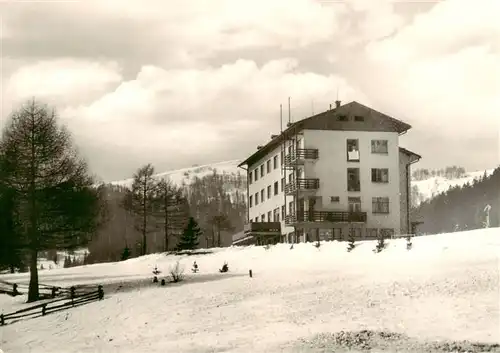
{"type": "Point", "coordinates": [56, 200]}
{"type": "Point", "coordinates": [140, 200]}
{"type": "Point", "coordinates": [190, 236]}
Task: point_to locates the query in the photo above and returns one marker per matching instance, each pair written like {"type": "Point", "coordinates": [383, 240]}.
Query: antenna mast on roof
{"type": "Point", "coordinates": [289, 112]}
{"type": "Point", "coordinates": [281, 118]}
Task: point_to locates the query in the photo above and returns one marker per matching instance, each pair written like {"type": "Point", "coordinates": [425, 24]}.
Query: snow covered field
{"type": "Point", "coordinates": [446, 287]}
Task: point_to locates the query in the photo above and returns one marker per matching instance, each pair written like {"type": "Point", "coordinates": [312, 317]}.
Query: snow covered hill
{"type": "Point", "coordinates": [187, 175]}
{"type": "Point", "coordinates": [433, 186]}
{"type": "Point", "coordinates": [444, 288]}
{"type": "Point", "coordinates": [427, 189]}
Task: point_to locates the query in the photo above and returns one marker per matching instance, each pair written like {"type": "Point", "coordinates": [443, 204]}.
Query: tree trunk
{"type": "Point", "coordinates": [166, 225]}
{"type": "Point", "coordinates": [33, 292]}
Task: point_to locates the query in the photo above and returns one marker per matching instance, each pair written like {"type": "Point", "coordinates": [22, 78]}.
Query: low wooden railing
{"type": "Point", "coordinates": [73, 299]}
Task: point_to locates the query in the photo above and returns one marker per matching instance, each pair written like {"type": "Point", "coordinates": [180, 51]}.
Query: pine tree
{"type": "Point", "coordinates": [56, 199]}
{"type": "Point", "coordinates": [351, 245]}
{"type": "Point", "coordinates": [190, 236]}
{"type": "Point", "coordinates": [170, 207]}
{"type": "Point", "coordinates": [380, 242]}
{"type": "Point", "coordinates": [140, 200]}
{"type": "Point", "coordinates": [125, 253]}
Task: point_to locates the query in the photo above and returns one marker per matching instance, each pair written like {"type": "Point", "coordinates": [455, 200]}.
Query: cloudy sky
{"type": "Point", "coordinates": [177, 83]}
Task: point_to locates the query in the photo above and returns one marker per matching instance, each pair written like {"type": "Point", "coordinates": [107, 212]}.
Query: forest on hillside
{"type": "Point", "coordinates": [452, 172]}
{"type": "Point", "coordinates": [212, 200]}
{"type": "Point", "coordinates": [462, 208]}
{"type": "Point", "coordinates": [50, 202]}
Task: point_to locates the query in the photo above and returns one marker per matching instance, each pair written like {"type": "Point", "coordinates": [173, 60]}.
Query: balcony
{"type": "Point", "coordinates": [262, 228]}
{"type": "Point", "coordinates": [300, 155]}
{"type": "Point", "coordinates": [302, 185]}
{"type": "Point", "coordinates": [311, 217]}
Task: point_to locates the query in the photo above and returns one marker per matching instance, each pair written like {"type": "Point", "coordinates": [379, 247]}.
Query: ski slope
{"type": "Point", "coordinates": [433, 186]}
{"type": "Point", "coordinates": [444, 288]}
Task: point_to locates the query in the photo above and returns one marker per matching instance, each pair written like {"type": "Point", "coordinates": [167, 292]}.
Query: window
{"type": "Point", "coordinates": [359, 118]}
{"type": "Point", "coordinates": [380, 205]}
{"type": "Point", "coordinates": [354, 204]}
{"type": "Point", "coordinates": [282, 157]}
{"type": "Point", "coordinates": [268, 165]}
{"type": "Point", "coordinates": [380, 146]}
{"type": "Point", "coordinates": [283, 211]}
{"type": "Point", "coordinates": [276, 188]}
{"type": "Point", "coordinates": [262, 170]}
{"type": "Point", "coordinates": [342, 118]}
{"type": "Point", "coordinates": [256, 174]}
{"type": "Point", "coordinates": [256, 219]}
{"type": "Point", "coordinates": [353, 183]}
{"type": "Point", "coordinates": [282, 184]}
{"type": "Point", "coordinates": [263, 218]}
{"type": "Point", "coordinates": [290, 207]}
{"type": "Point", "coordinates": [256, 197]}
{"type": "Point", "coordinates": [380, 175]}
{"type": "Point", "coordinates": [269, 192]}
{"type": "Point", "coordinates": [290, 177]}
{"type": "Point", "coordinates": [334, 199]}
{"type": "Point", "coordinates": [352, 150]}
{"type": "Point", "coordinates": [275, 162]}
{"type": "Point", "coordinates": [289, 150]}
{"type": "Point", "coordinates": [250, 201]}
{"type": "Point", "coordinates": [276, 214]}
{"type": "Point", "coordinates": [250, 177]}
{"type": "Point", "coordinates": [262, 197]}
{"type": "Point", "coordinates": [269, 216]}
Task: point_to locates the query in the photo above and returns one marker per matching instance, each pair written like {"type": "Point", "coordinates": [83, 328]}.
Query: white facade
{"type": "Point", "coordinates": [331, 168]}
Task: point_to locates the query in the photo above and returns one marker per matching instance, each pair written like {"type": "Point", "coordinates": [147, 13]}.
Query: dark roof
{"type": "Point", "coordinates": [376, 121]}
{"type": "Point", "coordinates": [410, 153]}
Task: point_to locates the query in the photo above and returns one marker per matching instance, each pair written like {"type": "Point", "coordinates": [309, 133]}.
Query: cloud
{"type": "Point", "coordinates": [66, 81]}
{"type": "Point", "coordinates": [438, 74]}
{"type": "Point", "coordinates": [201, 81]}
{"type": "Point", "coordinates": [189, 114]}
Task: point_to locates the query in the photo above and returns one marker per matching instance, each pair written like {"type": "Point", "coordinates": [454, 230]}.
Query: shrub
{"type": "Point", "coordinates": [177, 273]}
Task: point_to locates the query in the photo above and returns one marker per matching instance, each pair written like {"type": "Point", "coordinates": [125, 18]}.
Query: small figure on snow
{"type": "Point", "coordinates": [225, 268]}
{"type": "Point", "coordinates": [156, 272]}
{"type": "Point", "coordinates": [195, 267]}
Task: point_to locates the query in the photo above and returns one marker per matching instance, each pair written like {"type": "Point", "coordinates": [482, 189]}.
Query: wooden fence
{"type": "Point", "coordinates": [74, 298]}
{"type": "Point", "coordinates": [46, 291]}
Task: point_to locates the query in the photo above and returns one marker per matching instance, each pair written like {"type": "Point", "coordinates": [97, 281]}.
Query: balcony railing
{"type": "Point", "coordinates": [262, 227]}
{"type": "Point", "coordinates": [300, 155]}
{"type": "Point", "coordinates": [302, 185]}
{"type": "Point", "coordinates": [326, 216]}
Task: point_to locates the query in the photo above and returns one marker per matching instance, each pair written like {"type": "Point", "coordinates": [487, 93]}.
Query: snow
{"type": "Point", "coordinates": [434, 186]}
{"type": "Point", "coordinates": [446, 287]}
{"type": "Point", "coordinates": [427, 188]}
{"type": "Point", "coordinates": [187, 175]}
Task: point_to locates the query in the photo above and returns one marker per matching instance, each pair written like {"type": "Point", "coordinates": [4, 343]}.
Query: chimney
{"type": "Point", "coordinates": [273, 137]}
{"type": "Point", "coordinates": [259, 147]}
{"type": "Point", "coordinates": [337, 104]}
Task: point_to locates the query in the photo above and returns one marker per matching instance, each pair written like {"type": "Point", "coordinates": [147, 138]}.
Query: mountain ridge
{"type": "Point", "coordinates": [423, 189]}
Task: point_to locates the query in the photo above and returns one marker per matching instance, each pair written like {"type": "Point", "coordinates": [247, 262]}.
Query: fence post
{"type": "Point", "coordinates": [54, 290]}
{"type": "Point", "coordinates": [72, 294]}
{"type": "Point", "coordinates": [2, 320]}
{"type": "Point", "coordinates": [250, 273]}
{"type": "Point", "coordinates": [43, 309]}
{"type": "Point", "coordinates": [100, 291]}
{"type": "Point", "coordinates": [14, 290]}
